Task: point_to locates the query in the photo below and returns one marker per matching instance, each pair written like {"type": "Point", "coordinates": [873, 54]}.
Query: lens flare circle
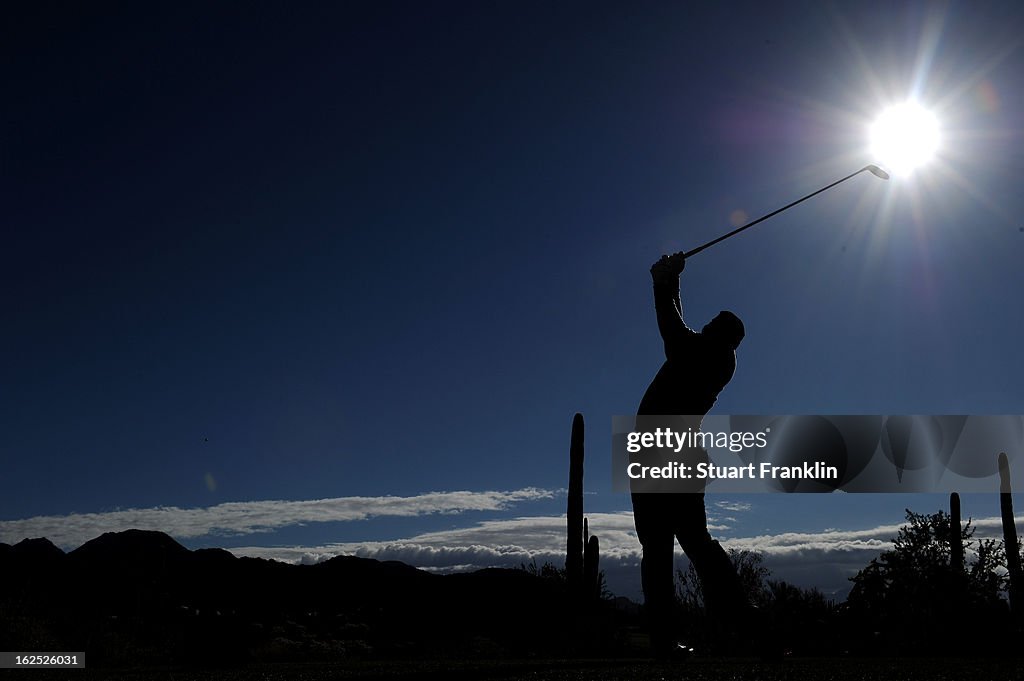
{"type": "Point", "coordinates": [904, 137]}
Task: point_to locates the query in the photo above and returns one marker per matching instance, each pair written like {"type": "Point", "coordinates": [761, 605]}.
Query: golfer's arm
{"type": "Point", "coordinates": [669, 309]}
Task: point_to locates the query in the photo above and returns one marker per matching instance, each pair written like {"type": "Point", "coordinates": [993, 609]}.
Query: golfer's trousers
{"type": "Point", "coordinates": [660, 520]}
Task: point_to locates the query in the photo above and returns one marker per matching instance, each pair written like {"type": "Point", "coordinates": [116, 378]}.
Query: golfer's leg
{"type": "Point", "coordinates": [654, 530]}
{"type": "Point", "coordinates": [723, 592]}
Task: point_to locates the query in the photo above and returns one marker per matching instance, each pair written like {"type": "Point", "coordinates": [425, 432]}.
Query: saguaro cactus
{"type": "Point", "coordinates": [574, 510]}
{"type": "Point", "coordinates": [956, 543]}
{"type": "Point", "coordinates": [1010, 537]}
{"type": "Point", "coordinates": [581, 549]}
{"type": "Point", "coordinates": [591, 588]}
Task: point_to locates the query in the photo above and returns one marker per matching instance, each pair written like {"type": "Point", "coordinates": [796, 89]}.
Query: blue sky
{"type": "Point", "coordinates": [265, 255]}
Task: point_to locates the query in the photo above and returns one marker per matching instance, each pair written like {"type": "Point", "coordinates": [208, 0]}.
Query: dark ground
{"type": "Point", "coordinates": [840, 669]}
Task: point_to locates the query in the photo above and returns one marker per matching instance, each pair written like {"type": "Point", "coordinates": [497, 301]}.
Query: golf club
{"type": "Point", "coordinates": [875, 170]}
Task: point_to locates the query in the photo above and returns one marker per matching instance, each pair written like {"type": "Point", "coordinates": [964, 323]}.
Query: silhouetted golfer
{"type": "Point", "coordinates": [697, 366]}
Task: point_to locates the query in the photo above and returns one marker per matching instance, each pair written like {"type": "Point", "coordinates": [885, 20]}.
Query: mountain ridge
{"type": "Point", "coordinates": [142, 592]}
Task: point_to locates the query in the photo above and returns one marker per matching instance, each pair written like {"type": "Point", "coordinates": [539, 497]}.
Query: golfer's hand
{"type": "Point", "coordinates": [668, 267]}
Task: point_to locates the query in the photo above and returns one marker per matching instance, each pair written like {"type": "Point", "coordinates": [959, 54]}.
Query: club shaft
{"type": "Point", "coordinates": [765, 217]}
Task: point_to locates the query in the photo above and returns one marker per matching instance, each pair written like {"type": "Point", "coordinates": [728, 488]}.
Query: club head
{"type": "Point", "coordinates": [878, 172]}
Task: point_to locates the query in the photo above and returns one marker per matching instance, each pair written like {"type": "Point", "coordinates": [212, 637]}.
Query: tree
{"type": "Point", "coordinates": [752, 573]}
{"type": "Point", "coordinates": [911, 599]}
{"type": "Point", "coordinates": [552, 572]}
{"type": "Point", "coordinates": [547, 571]}
{"type": "Point", "coordinates": [789, 618]}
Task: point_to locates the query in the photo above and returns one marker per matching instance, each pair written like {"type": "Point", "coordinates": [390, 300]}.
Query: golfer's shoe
{"type": "Point", "coordinates": [674, 652]}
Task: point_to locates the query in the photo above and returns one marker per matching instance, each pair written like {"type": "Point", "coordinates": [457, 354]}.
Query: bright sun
{"type": "Point", "coordinates": [904, 137]}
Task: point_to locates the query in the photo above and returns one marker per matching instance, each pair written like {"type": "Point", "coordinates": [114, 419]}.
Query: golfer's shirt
{"type": "Point", "coordinates": [685, 388]}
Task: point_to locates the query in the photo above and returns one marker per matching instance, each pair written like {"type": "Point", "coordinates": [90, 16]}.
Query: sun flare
{"type": "Point", "coordinates": [904, 137]}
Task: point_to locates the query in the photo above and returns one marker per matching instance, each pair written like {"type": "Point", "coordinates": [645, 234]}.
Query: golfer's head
{"type": "Point", "coordinates": [725, 328]}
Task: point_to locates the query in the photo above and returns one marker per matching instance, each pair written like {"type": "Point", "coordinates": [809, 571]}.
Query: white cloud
{"type": "Point", "coordinates": [733, 506]}
{"type": "Point", "coordinates": [505, 542]}
{"type": "Point", "coordinates": [249, 517]}
{"type": "Point", "coordinates": [825, 560]}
